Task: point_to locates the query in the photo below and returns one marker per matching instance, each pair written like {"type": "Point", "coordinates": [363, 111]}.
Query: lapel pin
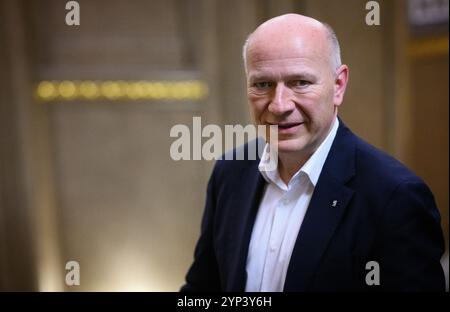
{"type": "Point", "coordinates": [334, 203]}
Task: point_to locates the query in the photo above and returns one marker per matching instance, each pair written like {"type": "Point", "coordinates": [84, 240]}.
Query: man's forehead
{"type": "Point", "coordinates": [286, 43]}
{"type": "Point", "coordinates": [285, 49]}
{"type": "Point", "coordinates": [287, 26]}
{"type": "Point", "coordinates": [293, 67]}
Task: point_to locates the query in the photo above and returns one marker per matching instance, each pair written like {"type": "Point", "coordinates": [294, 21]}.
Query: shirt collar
{"type": "Point", "coordinates": [312, 168]}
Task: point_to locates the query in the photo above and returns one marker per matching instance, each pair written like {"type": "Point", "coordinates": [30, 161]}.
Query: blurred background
{"type": "Point", "coordinates": [86, 111]}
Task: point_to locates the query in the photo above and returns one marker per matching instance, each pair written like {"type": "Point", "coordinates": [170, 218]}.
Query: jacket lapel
{"type": "Point", "coordinates": [318, 226]}
{"type": "Point", "coordinates": [245, 208]}
{"type": "Point", "coordinates": [328, 203]}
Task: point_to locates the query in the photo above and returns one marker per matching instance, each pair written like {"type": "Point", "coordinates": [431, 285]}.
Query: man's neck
{"type": "Point", "coordinates": [289, 164]}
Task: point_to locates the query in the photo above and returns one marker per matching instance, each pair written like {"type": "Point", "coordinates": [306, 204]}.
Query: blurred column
{"type": "Point", "coordinates": [29, 256]}
{"type": "Point", "coordinates": [235, 20]}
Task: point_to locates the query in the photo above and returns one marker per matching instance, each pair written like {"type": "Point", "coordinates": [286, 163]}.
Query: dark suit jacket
{"type": "Point", "coordinates": [384, 213]}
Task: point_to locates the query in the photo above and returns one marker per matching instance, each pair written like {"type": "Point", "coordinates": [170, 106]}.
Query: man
{"type": "Point", "coordinates": [337, 214]}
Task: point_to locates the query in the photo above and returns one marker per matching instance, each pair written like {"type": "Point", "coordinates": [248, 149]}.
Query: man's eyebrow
{"type": "Point", "coordinates": [259, 77]}
{"type": "Point", "coordinates": [301, 76]}
{"type": "Point", "coordinates": [288, 77]}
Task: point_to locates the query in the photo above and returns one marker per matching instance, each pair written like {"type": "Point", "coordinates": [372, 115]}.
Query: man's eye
{"type": "Point", "coordinates": [300, 83]}
{"type": "Point", "coordinates": [263, 85]}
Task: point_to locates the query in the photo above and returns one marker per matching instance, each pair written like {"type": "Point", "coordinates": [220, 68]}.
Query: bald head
{"type": "Point", "coordinates": [303, 29]}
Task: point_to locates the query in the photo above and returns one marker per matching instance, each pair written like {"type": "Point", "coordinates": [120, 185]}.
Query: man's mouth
{"type": "Point", "coordinates": [287, 127]}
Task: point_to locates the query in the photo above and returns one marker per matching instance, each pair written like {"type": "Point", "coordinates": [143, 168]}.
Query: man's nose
{"type": "Point", "coordinates": [281, 103]}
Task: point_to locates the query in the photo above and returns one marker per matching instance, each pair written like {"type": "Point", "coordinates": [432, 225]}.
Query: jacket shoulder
{"type": "Point", "coordinates": [377, 165]}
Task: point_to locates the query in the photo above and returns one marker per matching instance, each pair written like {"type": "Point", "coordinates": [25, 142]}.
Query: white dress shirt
{"type": "Point", "coordinates": [279, 218]}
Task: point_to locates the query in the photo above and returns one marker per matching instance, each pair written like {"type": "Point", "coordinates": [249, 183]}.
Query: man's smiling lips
{"type": "Point", "coordinates": [287, 127]}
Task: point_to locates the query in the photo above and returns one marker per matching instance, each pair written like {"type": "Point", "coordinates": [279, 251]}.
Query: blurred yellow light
{"type": "Point", "coordinates": [67, 89]}
{"type": "Point", "coordinates": [135, 90]}
{"type": "Point", "coordinates": [148, 89]}
{"type": "Point", "coordinates": [428, 47]}
{"type": "Point", "coordinates": [123, 90]}
{"type": "Point", "coordinates": [89, 90]}
{"type": "Point", "coordinates": [46, 90]}
{"type": "Point", "coordinates": [160, 90]}
{"type": "Point", "coordinates": [110, 90]}
{"type": "Point", "coordinates": [181, 90]}
{"type": "Point", "coordinates": [172, 90]}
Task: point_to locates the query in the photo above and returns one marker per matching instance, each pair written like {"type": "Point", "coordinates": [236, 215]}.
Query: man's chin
{"type": "Point", "coordinates": [289, 146]}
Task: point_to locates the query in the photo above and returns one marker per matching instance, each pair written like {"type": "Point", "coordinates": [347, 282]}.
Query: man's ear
{"type": "Point", "coordinates": [340, 84]}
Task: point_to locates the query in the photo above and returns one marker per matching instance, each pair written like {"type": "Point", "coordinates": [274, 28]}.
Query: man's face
{"type": "Point", "coordinates": [291, 84]}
